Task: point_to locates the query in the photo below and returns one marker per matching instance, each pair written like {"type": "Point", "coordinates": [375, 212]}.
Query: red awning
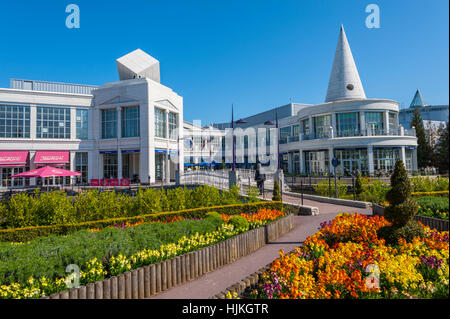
{"type": "Point", "coordinates": [51, 157]}
{"type": "Point", "coordinates": [13, 158]}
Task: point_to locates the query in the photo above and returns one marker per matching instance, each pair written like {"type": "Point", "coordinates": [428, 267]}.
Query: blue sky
{"type": "Point", "coordinates": [255, 54]}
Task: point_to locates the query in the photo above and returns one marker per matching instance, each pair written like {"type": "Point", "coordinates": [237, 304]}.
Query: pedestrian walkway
{"type": "Point", "coordinates": [214, 282]}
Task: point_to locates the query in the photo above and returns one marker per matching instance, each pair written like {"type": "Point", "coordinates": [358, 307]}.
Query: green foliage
{"type": "Point", "coordinates": [400, 185]}
{"type": "Point", "coordinates": [429, 184]}
{"type": "Point", "coordinates": [231, 196]}
{"type": "Point", "coordinates": [215, 216]}
{"type": "Point", "coordinates": [323, 188]}
{"type": "Point", "coordinates": [401, 210]}
{"type": "Point", "coordinates": [432, 206]}
{"type": "Point", "coordinates": [358, 186]}
{"type": "Point", "coordinates": [424, 149]}
{"type": "Point", "coordinates": [29, 233]}
{"type": "Point", "coordinates": [239, 222]}
{"type": "Point", "coordinates": [253, 193]}
{"type": "Point", "coordinates": [442, 152]}
{"type": "Point", "coordinates": [276, 192]}
{"type": "Point", "coordinates": [374, 190]}
{"type": "Point", "coordinates": [49, 256]}
{"type": "Point", "coordinates": [410, 230]}
{"type": "Point", "coordinates": [401, 213]}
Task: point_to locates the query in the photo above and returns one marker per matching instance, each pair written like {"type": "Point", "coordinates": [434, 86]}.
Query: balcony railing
{"type": "Point", "coordinates": [348, 133]}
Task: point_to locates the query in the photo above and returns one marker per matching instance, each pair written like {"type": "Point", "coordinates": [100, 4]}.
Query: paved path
{"type": "Point", "coordinates": [214, 282]}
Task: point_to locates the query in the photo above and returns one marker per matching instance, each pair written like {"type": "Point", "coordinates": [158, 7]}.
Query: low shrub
{"type": "Point", "coordinates": [429, 184]}
{"type": "Point", "coordinates": [323, 188]}
{"type": "Point", "coordinates": [239, 222]}
{"type": "Point", "coordinates": [28, 233]}
{"type": "Point", "coordinates": [214, 215]}
{"type": "Point", "coordinates": [431, 206]}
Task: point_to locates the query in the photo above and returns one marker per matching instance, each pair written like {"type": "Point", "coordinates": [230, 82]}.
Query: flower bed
{"type": "Point", "coordinates": [343, 259]}
{"type": "Point", "coordinates": [34, 269]}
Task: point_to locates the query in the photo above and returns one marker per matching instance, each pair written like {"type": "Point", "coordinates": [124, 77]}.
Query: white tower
{"type": "Point", "coordinates": [344, 79]}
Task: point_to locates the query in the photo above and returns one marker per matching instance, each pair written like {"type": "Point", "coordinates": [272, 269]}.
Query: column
{"type": "Point", "coordinates": [167, 167]}
{"type": "Point", "coordinates": [119, 150]}
{"type": "Point", "coordinates": [333, 126]}
{"type": "Point", "coordinates": [330, 159]}
{"type": "Point", "coordinates": [311, 128]}
{"type": "Point", "coordinates": [386, 122]}
{"type": "Point", "coordinates": [414, 160]}
{"type": "Point", "coordinates": [403, 155]}
{"type": "Point", "coordinates": [93, 165]}
{"type": "Point", "coordinates": [301, 161]}
{"type": "Point", "coordinates": [71, 165]}
{"type": "Point", "coordinates": [362, 123]}
{"type": "Point", "coordinates": [290, 160]}
{"type": "Point", "coordinates": [370, 159]}
{"type": "Point", "coordinates": [32, 166]}
{"type": "Point", "coordinates": [73, 123]}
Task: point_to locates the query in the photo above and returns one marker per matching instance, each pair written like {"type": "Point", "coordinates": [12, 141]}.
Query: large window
{"type": "Point", "coordinates": [285, 132]}
{"type": "Point", "coordinates": [109, 123]}
{"type": "Point", "coordinates": [82, 124]}
{"type": "Point", "coordinates": [14, 121]}
{"type": "Point", "coordinates": [384, 158]}
{"type": "Point", "coordinates": [392, 122]}
{"type": "Point", "coordinates": [347, 124]}
{"type": "Point", "coordinates": [322, 126]}
{"type": "Point", "coordinates": [316, 162]}
{"type": "Point", "coordinates": [160, 123]}
{"type": "Point", "coordinates": [173, 125]}
{"type": "Point", "coordinates": [351, 160]}
{"type": "Point", "coordinates": [110, 165]}
{"type": "Point", "coordinates": [374, 122]}
{"type": "Point", "coordinates": [130, 121]}
{"type": "Point", "coordinates": [53, 122]}
{"type": "Point", "coordinates": [81, 166]}
{"type": "Point", "coordinates": [306, 129]}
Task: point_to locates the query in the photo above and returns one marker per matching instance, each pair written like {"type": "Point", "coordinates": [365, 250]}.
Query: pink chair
{"type": "Point", "coordinates": [114, 182]}
{"type": "Point", "coordinates": [125, 182]}
{"type": "Point", "coordinates": [95, 182]}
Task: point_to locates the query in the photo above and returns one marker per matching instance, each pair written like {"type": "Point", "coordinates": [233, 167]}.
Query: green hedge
{"type": "Point", "coordinates": [54, 208]}
{"type": "Point", "coordinates": [28, 233]}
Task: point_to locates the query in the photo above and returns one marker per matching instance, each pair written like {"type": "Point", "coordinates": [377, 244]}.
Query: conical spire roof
{"type": "Point", "coordinates": [344, 79]}
{"type": "Point", "coordinates": [418, 100]}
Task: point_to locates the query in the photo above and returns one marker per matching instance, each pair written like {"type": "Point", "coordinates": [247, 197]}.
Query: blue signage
{"type": "Point", "coordinates": [335, 162]}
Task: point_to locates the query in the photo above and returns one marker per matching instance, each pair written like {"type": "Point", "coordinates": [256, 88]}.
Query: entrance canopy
{"type": "Point", "coordinates": [47, 172]}
{"type": "Point", "coordinates": [13, 158]}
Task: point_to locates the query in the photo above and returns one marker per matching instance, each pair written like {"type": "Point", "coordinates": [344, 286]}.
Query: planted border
{"type": "Point", "coordinates": [28, 233]}
{"type": "Point", "coordinates": [149, 280]}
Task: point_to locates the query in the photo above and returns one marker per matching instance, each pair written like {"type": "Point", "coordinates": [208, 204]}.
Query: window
{"type": "Point", "coordinates": [130, 121]}
{"type": "Point", "coordinates": [384, 158]}
{"type": "Point", "coordinates": [82, 124]}
{"type": "Point", "coordinates": [14, 121]}
{"type": "Point", "coordinates": [53, 122]}
{"type": "Point", "coordinates": [351, 160]}
{"type": "Point", "coordinates": [374, 122]}
{"type": "Point", "coordinates": [392, 122]}
{"type": "Point", "coordinates": [322, 126]}
{"type": "Point", "coordinates": [306, 129]}
{"type": "Point", "coordinates": [316, 162]}
{"type": "Point", "coordinates": [295, 130]}
{"type": "Point", "coordinates": [109, 123]}
{"type": "Point", "coordinates": [284, 133]}
{"type": "Point", "coordinates": [347, 124]}
{"type": "Point", "coordinates": [173, 125]}
{"type": "Point", "coordinates": [81, 166]}
{"type": "Point", "coordinates": [110, 165]}
{"type": "Point", "coordinates": [160, 123]}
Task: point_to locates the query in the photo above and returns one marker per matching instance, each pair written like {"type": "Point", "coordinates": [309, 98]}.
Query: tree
{"type": "Point", "coordinates": [424, 149]}
{"type": "Point", "coordinates": [358, 186]}
{"type": "Point", "coordinates": [441, 149]}
{"type": "Point", "coordinates": [276, 192]}
{"type": "Point", "coordinates": [401, 210]}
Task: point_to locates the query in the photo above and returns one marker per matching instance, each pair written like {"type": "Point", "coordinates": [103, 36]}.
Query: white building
{"type": "Point", "coordinates": [120, 131]}
{"type": "Point", "coordinates": [363, 133]}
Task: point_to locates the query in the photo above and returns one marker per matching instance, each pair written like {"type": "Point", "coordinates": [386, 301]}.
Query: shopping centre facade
{"type": "Point", "coordinates": [128, 130]}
